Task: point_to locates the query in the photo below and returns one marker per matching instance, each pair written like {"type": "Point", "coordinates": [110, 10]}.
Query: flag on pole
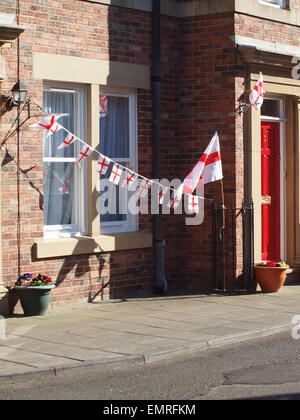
{"type": "Point", "coordinates": [103, 164]}
{"type": "Point", "coordinates": [115, 175]}
{"type": "Point", "coordinates": [67, 141]}
{"type": "Point", "coordinates": [193, 204]}
{"type": "Point", "coordinates": [208, 169]}
{"type": "Point", "coordinates": [85, 152]}
{"type": "Point", "coordinates": [103, 105]}
{"type": "Point", "coordinates": [257, 93]}
{"type": "Point", "coordinates": [129, 179]}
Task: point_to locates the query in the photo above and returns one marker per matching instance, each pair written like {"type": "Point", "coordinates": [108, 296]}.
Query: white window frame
{"type": "Point", "coordinates": [279, 4]}
{"type": "Point", "coordinates": [132, 222]}
{"type": "Point", "coordinates": [80, 204]}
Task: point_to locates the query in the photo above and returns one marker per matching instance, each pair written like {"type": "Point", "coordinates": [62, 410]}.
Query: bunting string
{"type": "Point", "coordinates": [49, 123]}
{"type": "Point", "coordinates": [208, 168]}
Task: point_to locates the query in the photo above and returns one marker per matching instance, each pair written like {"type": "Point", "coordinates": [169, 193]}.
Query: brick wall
{"type": "Point", "coordinates": [202, 82]}
{"type": "Point", "coordinates": [267, 30]}
{"type": "Point", "coordinates": [86, 30]}
{"type": "Point", "coordinates": [207, 100]}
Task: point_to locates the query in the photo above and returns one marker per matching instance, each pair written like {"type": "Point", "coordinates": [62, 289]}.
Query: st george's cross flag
{"type": "Point", "coordinates": [162, 193]}
{"type": "Point", "coordinates": [49, 123]}
{"type": "Point", "coordinates": [193, 204]}
{"type": "Point", "coordinates": [208, 168]}
{"type": "Point", "coordinates": [103, 164]}
{"type": "Point", "coordinates": [256, 97]}
{"type": "Point", "coordinates": [116, 174]}
{"type": "Point", "coordinates": [144, 187]}
{"type": "Point", "coordinates": [129, 179]}
{"type": "Point", "coordinates": [176, 197]}
{"type": "Point", "coordinates": [85, 152]}
{"type": "Point", "coordinates": [103, 105]}
{"type": "Point", "coordinates": [67, 141]}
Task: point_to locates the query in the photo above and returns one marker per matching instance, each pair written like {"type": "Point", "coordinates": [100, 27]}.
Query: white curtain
{"type": "Point", "coordinates": [114, 128]}
{"type": "Point", "coordinates": [59, 175]}
{"type": "Point", "coordinates": [114, 142]}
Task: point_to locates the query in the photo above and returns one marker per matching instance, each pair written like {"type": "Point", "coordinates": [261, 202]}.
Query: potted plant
{"type": "Point", "coordinates": [271, 275]}
{"type": "Point", "coordinates": [34, 293]}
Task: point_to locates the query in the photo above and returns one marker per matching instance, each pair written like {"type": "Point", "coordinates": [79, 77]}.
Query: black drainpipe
{"type": "Point", "coordinates": [160, 285]}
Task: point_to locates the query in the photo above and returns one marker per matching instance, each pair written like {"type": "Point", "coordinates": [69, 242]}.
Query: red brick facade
{"type": "Point", "coordinates": [202, 81]}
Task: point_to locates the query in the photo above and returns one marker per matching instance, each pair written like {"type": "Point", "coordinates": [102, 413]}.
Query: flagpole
{"type": "Point", "coordinates": [222, 191]}
{"type": "Point", "coordinates": [222, 237]}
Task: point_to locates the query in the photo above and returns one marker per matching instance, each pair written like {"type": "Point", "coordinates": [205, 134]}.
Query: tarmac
{"type": "Point", "coordinates": [139, 331]}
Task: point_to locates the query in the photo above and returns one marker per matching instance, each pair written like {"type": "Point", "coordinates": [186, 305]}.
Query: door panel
{"type": "Point", "coordinates": [270, 189]}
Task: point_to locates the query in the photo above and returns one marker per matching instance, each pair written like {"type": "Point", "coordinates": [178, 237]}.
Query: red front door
{"type": "Point", "coordinates": [270, 190]}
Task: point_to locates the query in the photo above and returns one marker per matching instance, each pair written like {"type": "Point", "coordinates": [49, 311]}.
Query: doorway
{"type": "Point", "coordinates": [272, 180]}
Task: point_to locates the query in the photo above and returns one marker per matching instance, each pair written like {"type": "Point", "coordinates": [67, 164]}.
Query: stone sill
{"type": "Point", "coordinates": [9, 32]}
{"type": "Point", "coordinates": [189, 8]}
{"type": "Point", "coordinates": [63, 247]}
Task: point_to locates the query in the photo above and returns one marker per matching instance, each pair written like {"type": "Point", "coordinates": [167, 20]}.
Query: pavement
{"type": "Point", "coordinates": [138, 331]}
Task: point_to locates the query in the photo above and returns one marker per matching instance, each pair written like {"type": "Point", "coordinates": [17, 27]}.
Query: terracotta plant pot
{"type": "Point", "coordinates": [270, 279]}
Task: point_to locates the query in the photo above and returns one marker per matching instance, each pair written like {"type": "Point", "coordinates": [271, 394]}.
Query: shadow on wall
{"type": "Point", "coordinates": [82, 267]}
{"type": "Point", "coordinates": [81, 264]}
{"type": "Point", "coordinates": [4, 304]}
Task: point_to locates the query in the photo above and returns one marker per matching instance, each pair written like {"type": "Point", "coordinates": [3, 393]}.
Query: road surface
{"type": "Point", "coordinates": [265, 368]}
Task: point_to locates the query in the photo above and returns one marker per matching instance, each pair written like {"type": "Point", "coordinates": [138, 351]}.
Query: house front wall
{"type": "Point", "coordinates": [97, 46]}
{"type": "Point", "coordinates": [9, 32]}
{"type": "Point", "coordinates": [271, 46]}
{"type": "Point", "coordinates": [207, 66]}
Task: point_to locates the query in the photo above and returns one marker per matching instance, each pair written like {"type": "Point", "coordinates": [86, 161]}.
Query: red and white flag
{"type": "Point", "coordinates": [129, 179]}
{"type": "Point", "coordinates": [257, 93]}
{"type": "Point", "coordinates": [144, 187]}
{"type": "Point", "coordinates": [103, 164]}
{"type": "Point", "coordinates": [208, 169]}
{"type": "Point", "coordinates": [115, 175]}
{"type": "Point", "coordinates": [103, 104]}
{"type": "Point", "coordinates": [193, 204]}
{"type": "Point", "coordinates": [67, 141]}
{"type": "Point", "coordinates": [175, 200]}
{"type": "Point", "coordinates": [49, 123]}
{"type": "Point", "coordinates": [162, 193]}
{"type": "Point", "coordinates": [85, 152]}
{"type": "Point", "coordinates": [65, 189]}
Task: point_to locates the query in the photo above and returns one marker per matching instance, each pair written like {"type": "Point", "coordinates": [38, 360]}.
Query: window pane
{"type": "Point", "coordinates": [280, 3]}
{"type": "Point", "coordinates": [113, 191]}
{"type": "Point", "coordinates": [67, 103]}
{"type": "Point", "coordinates": [58, 193]}
{"type": "Point", "coordinates": [114, 128]}
{"type": "Point", "coordinates": [270, 108]}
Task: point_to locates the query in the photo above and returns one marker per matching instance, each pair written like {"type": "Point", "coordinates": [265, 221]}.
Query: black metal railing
{"type": "Point", "coordinates": [233, 248]}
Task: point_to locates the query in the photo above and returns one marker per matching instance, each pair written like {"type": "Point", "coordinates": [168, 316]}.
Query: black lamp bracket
{"type": "Point", "coordinates": [17, 121]}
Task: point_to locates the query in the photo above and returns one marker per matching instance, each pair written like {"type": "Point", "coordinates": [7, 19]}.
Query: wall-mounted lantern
{"type": "Point", "coordinates": [19, 93]}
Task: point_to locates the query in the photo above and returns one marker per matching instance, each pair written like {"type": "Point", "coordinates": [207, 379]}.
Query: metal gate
{"type": "Point", "coordinates": [228, 247]}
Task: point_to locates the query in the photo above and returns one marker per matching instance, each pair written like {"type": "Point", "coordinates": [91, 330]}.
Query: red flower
{"type": "Point", "coordinates": [271, 264]}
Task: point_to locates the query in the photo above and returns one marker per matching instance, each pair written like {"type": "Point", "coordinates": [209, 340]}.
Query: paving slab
{"type": "Point", "coordinates": [140, 330]}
